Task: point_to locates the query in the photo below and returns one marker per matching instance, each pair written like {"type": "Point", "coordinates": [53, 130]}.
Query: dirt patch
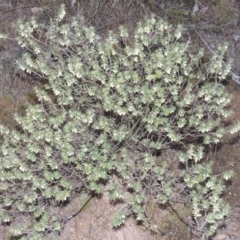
{"type": "Point", "coordinates": [227, 156]}
{"type": "Point", "coordinates": [94, 222]}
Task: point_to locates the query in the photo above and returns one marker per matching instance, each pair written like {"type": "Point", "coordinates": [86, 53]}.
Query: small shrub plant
{"type": "Point", "coordinates": [104, 116]}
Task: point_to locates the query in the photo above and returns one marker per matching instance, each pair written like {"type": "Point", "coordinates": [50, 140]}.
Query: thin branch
{"type": "Point", "coordinates": [75, 214]}
{"type": "Point", "coordinates": [41, 5]}
{"type": "Point", "coordinates": [15, 8]}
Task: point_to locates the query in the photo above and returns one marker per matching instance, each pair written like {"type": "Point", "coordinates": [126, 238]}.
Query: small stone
{"type": "Point", "coordinates": [221, 236]}
{"type": "Point", "coordinates": [236, 38]}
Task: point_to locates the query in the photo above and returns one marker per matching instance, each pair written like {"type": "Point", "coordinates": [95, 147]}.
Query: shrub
{"type": "Point", "coordinates": [104, 117]}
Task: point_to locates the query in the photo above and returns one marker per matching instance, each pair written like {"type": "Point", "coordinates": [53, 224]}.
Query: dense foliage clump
{"type": "Point", "coordinates": [108, 114]}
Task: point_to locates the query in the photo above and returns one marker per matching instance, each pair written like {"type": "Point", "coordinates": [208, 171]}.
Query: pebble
{"type": "Point", "coordinates": [221, 236]}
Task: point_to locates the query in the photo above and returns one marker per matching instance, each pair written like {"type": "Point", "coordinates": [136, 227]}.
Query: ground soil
{"type": "Point", "coordinates": [227, 156]}
{"type": "Point", "coordinates": [94, 223]}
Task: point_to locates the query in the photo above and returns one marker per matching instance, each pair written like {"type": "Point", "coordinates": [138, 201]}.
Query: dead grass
{"type": "Point", "coordinates": [223, 11]}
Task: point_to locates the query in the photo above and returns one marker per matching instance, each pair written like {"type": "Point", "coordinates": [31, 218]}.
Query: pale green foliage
{"type": "Point", "coordinates": [235, 128]}
{"type": "Point", "coordinates": [202, 183]}
{"type": "Point", "coordinates": [104, 114]}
